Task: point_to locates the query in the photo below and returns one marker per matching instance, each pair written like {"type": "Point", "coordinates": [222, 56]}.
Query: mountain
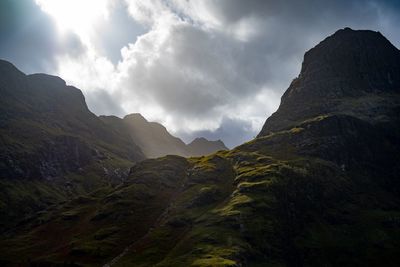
{"type": "Point", "coordinates": [52, 148]}
{"type": "Point", "coordinates": [39, 113]}
{"type": "Point", "coordinates": [201, 146]}
{"type": "Point", "coordinates": [155, 141]}
{"type": "Point", "coordinates": [318, 187]}
{"type": "Point", "coordinates": [49, 140]}
{"type": "Point", "coordinates": [350, 73]}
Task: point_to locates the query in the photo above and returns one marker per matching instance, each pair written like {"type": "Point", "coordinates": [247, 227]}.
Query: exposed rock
{"type": "Point", "coordinates": [351, 72]}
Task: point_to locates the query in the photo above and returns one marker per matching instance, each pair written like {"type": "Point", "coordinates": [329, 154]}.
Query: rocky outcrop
{"type": "Point", "coordinates": [56, 157]}
{"type": "Point", "coordinates": [353, 72]}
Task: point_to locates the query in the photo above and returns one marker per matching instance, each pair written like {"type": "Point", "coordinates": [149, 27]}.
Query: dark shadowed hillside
{"type": "Point", "coordinates": [51, 145]}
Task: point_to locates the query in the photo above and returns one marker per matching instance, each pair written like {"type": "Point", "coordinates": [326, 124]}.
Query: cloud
{"type": "Point", "coordinates": [115, 32]}
{"type": "Point", "coordinates": [205, 62]}
{"type": "Point", "coordinates": [103, 103]}
{"type": "Point", "coordinates": [234, 131]}
{"type": "Point", "coordinates": [204, 67]}
{"type": "Point", "coordinates": [29, 39]}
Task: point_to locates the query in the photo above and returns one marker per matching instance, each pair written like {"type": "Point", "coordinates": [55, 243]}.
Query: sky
{"type": "Point", "coordinates": [210, 68]}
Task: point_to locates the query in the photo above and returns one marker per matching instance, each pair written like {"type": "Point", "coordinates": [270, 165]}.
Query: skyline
{"type": "Point", "coordinates": [215, 69]}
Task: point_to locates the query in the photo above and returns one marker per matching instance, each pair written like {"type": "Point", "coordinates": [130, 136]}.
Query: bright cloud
{"type": "Point", "coordinates": [76, 15]}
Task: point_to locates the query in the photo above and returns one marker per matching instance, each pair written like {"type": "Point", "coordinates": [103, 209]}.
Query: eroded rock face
{"type": "Point", "coordinates": [351, 72]}
{"type": "Point", "coordinates": [53, 159]}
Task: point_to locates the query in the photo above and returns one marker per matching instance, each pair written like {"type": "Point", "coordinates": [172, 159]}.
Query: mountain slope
{"type": "Point", "coordinates": [50, 141]}
{"type": "Point", "coordinates": [321, 189]}
{"type": "Point", "coordinates": [155, 141]}
{"type": "Point", "coordinates": [252, 206]}
{"type": "Point", "coordinates": [40, 109]}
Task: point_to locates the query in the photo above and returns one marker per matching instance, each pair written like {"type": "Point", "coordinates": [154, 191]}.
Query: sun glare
{"type": "Point", "coordinates": [75, 15]}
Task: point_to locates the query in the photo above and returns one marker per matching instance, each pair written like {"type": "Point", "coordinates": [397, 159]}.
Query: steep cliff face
{"type": "Point", "coordinates": [351, 72]}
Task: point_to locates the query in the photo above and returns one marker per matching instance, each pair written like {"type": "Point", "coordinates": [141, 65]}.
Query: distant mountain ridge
{"type": "Point", "coordinates": [155, 140]}
{"type": "Point", "coordinates": [201, 146]}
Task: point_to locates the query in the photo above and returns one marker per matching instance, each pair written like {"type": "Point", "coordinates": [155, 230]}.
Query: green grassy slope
{"type": "Point", "coordinates": [283, 209]}
{"type": "Point", "coordinates": [261, 204]}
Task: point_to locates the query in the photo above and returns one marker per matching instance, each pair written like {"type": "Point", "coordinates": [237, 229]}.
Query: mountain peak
{"type": "Point", "coordinates": [9, 74]}
{"type": "Point", "coordinates": [203, 140]}
{"type": "Point", "coordinates": [199, 139]}
{"type": "Point", "coordinates": [364, 58]}
{"type": "Point", "coordinates": [201, 146]}
{"type": "Point", "coordinates": [6, 67]}
{"type": "Point", "coordinates": [135, 117]}
{"type": "Point", "coordinates": [350, 67]}
{"type": "Point", "coordinates": [47, 80]}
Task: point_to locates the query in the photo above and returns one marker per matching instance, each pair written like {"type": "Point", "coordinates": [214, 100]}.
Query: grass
{"type": "Point", "coordinates": [251, 206]}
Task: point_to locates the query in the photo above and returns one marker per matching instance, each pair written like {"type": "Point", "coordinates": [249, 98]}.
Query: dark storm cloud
{"type": "Point", "coordinates": [303, 12]}
{"type": "Point", "coordinates": [28, 37]}
{"type": "Point", "coordinates": [286, 29]}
